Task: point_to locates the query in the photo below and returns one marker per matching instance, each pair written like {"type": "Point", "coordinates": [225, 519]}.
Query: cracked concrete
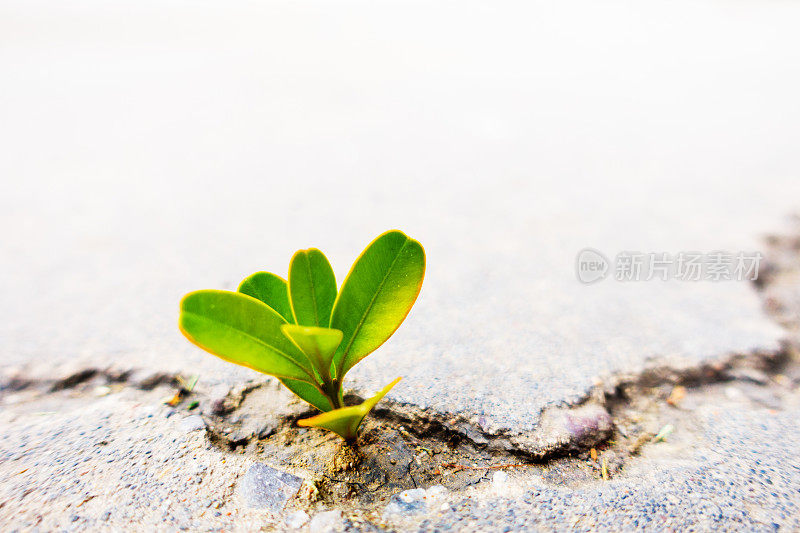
{"type": "Point", "coordinates": [126, 442]}
{"type": "Point", "coordinates": [117, 436]}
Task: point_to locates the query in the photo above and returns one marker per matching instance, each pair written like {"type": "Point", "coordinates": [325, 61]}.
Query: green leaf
{"type": "Point", "coordinates": [270, 289]}
{"type": "Point", "coordinates": [242, 330]}
{"type": "Point", "coordinates": [345, 420]}
{"type": "Point", "coordinates": [376, 296]}
{"type": "Point", "coordinates": [309, 393]}
{"type": "Point", "coordinates": [319, 344]}
{"type": "Point", "coordinates": [312, 288]}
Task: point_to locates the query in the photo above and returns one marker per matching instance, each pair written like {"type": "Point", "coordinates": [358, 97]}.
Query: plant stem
{"type": "Point", "coordinates": [332, 388]}
{"type": "Point", "coordinates": [334, 392]}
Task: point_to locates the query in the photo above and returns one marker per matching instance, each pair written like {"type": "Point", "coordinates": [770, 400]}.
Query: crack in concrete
{"type": "Point", "coordinates": [144, 379]}
{"type": "Point", "coordinates": [563, 431]}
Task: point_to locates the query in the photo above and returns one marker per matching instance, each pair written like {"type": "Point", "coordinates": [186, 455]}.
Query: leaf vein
{"type": "Point", "coordinates": [363, 318]}
{"type": "Point", "coordinates": [254, 338]}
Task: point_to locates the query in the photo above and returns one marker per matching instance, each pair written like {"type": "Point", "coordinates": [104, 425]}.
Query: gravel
{"type": "Point", "coordinates": [414, 501]}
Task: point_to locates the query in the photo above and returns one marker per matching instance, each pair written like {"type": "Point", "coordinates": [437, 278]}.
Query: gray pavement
{"type": "Point", "coordinates": [160, 148]}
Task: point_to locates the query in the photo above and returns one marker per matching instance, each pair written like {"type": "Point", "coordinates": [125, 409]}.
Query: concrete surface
{"type": "Point", "coordinates": [157, 148]}
{"type": "Point", "coordinates": [729, 466]}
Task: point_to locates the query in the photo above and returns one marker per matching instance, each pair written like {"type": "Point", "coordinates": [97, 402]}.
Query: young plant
{"type": "Point", "coordinates": [304, 331]}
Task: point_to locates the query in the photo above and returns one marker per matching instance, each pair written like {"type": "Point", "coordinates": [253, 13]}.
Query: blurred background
{"type": "Point", "coordinates": [152, 148]}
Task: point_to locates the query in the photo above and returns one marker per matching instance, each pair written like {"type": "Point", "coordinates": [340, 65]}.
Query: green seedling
{"type": "Point", "coordinates": [307, 333]}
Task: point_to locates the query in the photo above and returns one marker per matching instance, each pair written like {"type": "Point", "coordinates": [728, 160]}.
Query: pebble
{"type": "Point", "coordinates": [412, 495]}
{"type": "Point", "coordinates": [414, 500]}
{"type": "Point", "coordinates": [192, 423]}
{"type": "Point", "coordinates": [102, 390]}
{"type": "Point", "coordinates": [296, 520]}
{"type": "Point", "coordinates": [326, 522]}
{"type": "Point", "coordinates": [265, 487]}
{"type": "Point", "coordinates": [435, 491]}
{"type": "Point", "coordinates": [500, 482]}
{"type": "Point", "coordinates": [587, 423]}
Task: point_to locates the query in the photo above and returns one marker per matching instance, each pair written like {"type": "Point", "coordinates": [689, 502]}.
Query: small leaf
{"type": "Point", "coordinates": [345, 420]}
{"type": "Point", "coordinates": [376, 296]}
{"type": "Point", "coordinates": [242, 330]}
{"type": "Point", "coordinates": [312, 288]}
{"type": "Point", "coordinates": [270, 289]}
{"type": "Point", "coordinates": [319, 344]}
{"type": "Point", "coordinates": [309, 393]}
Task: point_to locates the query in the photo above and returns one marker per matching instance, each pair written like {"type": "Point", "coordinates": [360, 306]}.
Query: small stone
{"type": "Point", "coordinates": [500, 482]}
{"type": "Point", "coordinates": [393, 508]}
{"type": "Point", "coordinates": [733, 393]}
{"type": "Point", "coordinates": [587, 424]}
{"type": "Point", "coordinates": [406, 502]}
{"type": "Point", "coordinates": [326, 522]}
{"type": "Point", "coordinates": [192, 423]}
{"type": "Point", "coordinates": [435, 491]}
{"type": "Point", "coordinates": [265, 487]}
{"type": "Point", "coordinates": [102, 390]}
{"type": "Point", "coordinates": [297, 519]}
{"type": "Point", "coordinates": [412, 495]}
